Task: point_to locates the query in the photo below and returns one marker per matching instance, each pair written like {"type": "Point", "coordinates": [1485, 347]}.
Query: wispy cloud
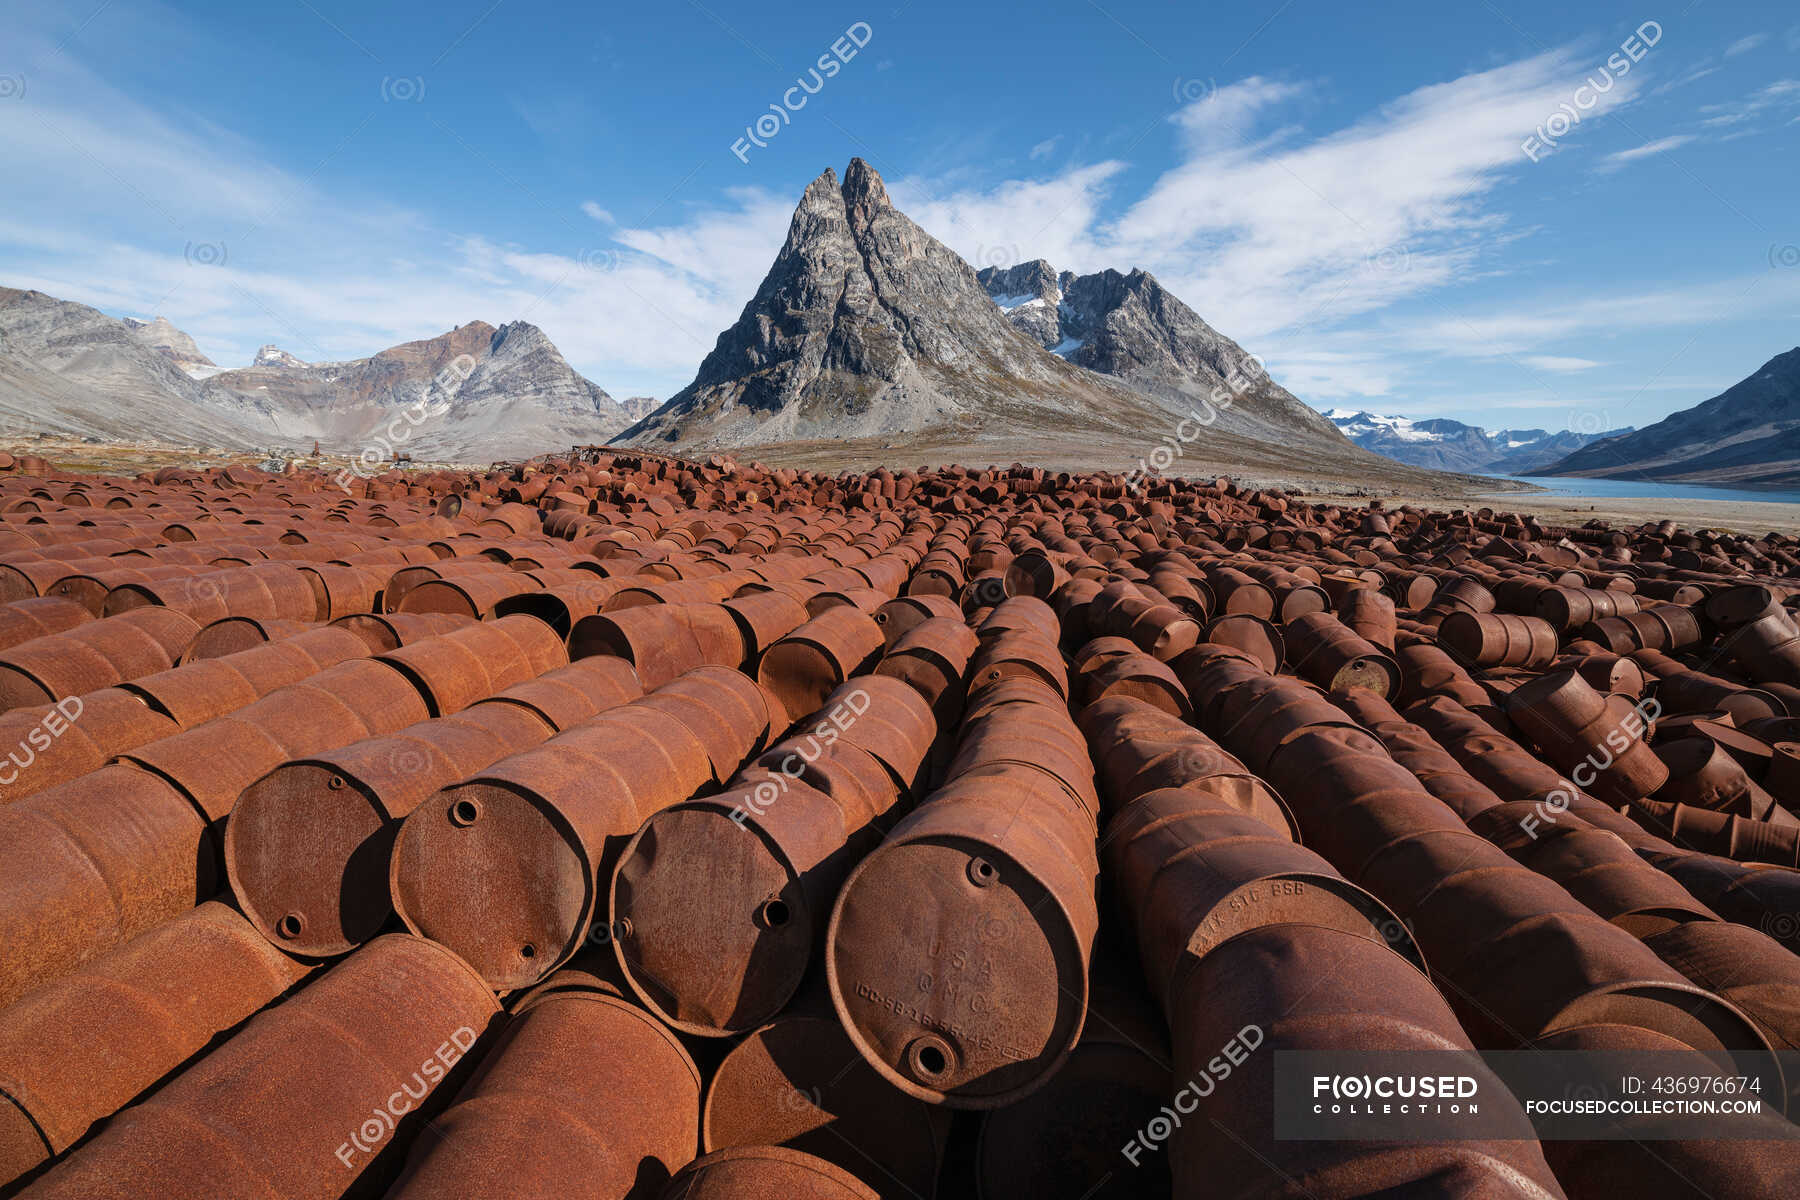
{"type": "Point", "coordinates": [1624, 158]}
{"type": "Point", "coordinates": [1745, 45]}
{"type": "Point", "coordinates": [1555, 362]}
{"type": "Point", "coordinates": [1045, 148]}
{"type": "Point", "coordinates": [1782, 94]}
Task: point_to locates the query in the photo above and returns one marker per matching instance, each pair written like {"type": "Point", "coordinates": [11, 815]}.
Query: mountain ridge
{"type": "Point", "coordinates": [1444, 444]}
{"type": "Point", "coordinates": [67, 368]}
{"type": "Point", "coordinates": [1127, 325]}
{"type": "Point", "coordinates": [867, 326]}
{"type": "Point", "coordinates": [1746, 436]}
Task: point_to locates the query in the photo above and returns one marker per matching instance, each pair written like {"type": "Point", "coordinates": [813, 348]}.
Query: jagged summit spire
{"type": "Point", "coordinates": [863, 187]}
{"type": "Point", "coordinates": [865, 325]}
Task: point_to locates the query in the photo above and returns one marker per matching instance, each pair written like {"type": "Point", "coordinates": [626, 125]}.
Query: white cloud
{"type": "Point", "coordinates": [1045, 148]}
{"type": "Point", "coordinates": [1018, 220]}
{"type": "Point", "coordinates": [1614, 162]}
{"type": "Point", "coordinates": [1783, 93]}
{"type": "Point", "coordinates": [1287, 232]}
{"type": "Point", "coordinates": [1510, 333]}
{"type": "Point", "coordinates": [1225, 117]}
{"type": "Point", "coordinates": [1745, 45]}
{"type": "Point", "coordinates": [597, 213]}
{"type": "Point", "coordinates": [1555, 362]}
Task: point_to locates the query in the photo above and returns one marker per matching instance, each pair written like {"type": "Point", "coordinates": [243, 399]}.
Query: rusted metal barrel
{"type": "Point", "coordinates": [1193, 871]}
{"type": "Point", "coordinates": [764, 618]}
{"type": "Point", "coordinates": [932, 657]}
{"type": "Point", "coordinates": [563, 605]}
{"type": "Point", "coordinates": [1138, 749]}
{"type": "Point", "coordinates": [473, 596]}
{"type": "Point", "coordinates": [228, 635]}
{"type": "Point", "coordinates": [308, 844]}
{"type": "Point", "coordinates": [1123, 609]}
{"type": "Point", "coordinates": [900, 616]}
{"type": "Point", "coordinates": [314, 1097]}
{"type": "Point", "coordinates": [39, 616]}
{"type": "Point", "coordinates": [1767, 650]}
{"type": "Point", "coordinates": [582, 1094]}
{"type": "Point", "coordinates": [89, 864]}
{"type": "Point", "coordinates": [804, 667]}
{"type": "Point", "coordinates": [1680, 689]}
{"type": "Point", "coordinates": [1576, 726]}
{"type": "Point", "coordinates": [1751, 1156]}
{"type": "Point", "coordinates": [273, 590]}
{"type": "Point", "coordinates": [1498, 640]}
{"type": "Point", "coordinates": [1035, 573]}
{"type": "Point", "coordinates": [1330, 654]}
{"type": "Point", "coordinates": [340, 589]}
{"type": "Point", "coordinates": [508, 867]}
{"type": "Point", "coordinates": [726, 897]}
{"type": "Point", "coordinates": [727, 955]}
{"type": "Point", "coordinates": [1747, 967]}
{"type": "Point", "coordinates": [1018, 652]}
{"type": "Point", "coordinates": [1703, 774]}
{"type": "Point", "coordinates": [1238, 593]}
{"type": "Point", "coordinates": [1063, 1141]}
{"type": "Point", "coordinates": [1370, 614]}
{"type": "Point", "coordinates": [1603, 873]}
{"type": "Point", "coordinates": [1253, 635]}
{"type": "Point", "coordinates": [1415, 749]}
{"type": "Point", "coordinates": [1121, 669]}
{"type": "Point", "coordinates": [196, 692]}
{"type": "Point", "coordinates": [213, 762]}
{"type": "Point", "coordinates": [798, 1082]}
{"type": "Point", "coordinates": [1571, 608]}
{"type": "Point", "coordinates": [1425, 670]}
{"type": "Point", "coordinates": [1475, 913]}
{"type": "Point", "coordinates": [974, 1000]}
{"type": "Point", "coordinates": [456, 669]}
{"type": "Point", "coordinates": [1714, 832]}
{"type": "Point", "coordinates": [1264, 993]}
{"type": "Point", "coordinates": [727, 710]}
{"type": "Point", "coordinates": [50, 744]}
{"type": "Point", "coordinates": [78, 1050]}
{"type": "Point", "coordinates": [390, 631]}
{"type": "Point", "coordinates": [93, 655]}
{"type": "Point", "coordinates": [567, 696]}
{"type": "Point", "coordinates": [662, 640]}
{"type": "Point", "coordinates": [756, 1172]}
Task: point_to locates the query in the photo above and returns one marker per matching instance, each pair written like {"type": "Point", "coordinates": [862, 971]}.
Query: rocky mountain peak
{"type": "Point", "coordinates": [864, 192]}
{"type": "Point", "coordinates": [1127, 325]}
{"type": "Point", "coordinates": [275, 356]}
{"type": "Point", "coordinates": [864, 325]}
{"type": "Point", "coordinates": [161, 335]}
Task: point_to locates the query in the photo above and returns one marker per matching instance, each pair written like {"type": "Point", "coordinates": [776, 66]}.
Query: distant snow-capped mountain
{"type": "Point", "coordinates": [1446, 445]}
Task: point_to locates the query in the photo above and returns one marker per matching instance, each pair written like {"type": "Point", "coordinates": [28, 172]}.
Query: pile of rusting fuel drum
{"type": "Point", "coordinates": [622, 826]}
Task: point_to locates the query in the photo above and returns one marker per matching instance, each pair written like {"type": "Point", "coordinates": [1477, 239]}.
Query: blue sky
{"type": "Point", "coordinates": [1343, 188]}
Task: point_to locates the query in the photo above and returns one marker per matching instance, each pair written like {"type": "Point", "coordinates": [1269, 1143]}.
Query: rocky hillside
{"type": "Point", "coordinates": [1746, 436]}
{"type": "Point", "coordinates": [172, 344]}
{"type": "Point", "coordinates": [867, 327]}
{"type": "Point", "coordinates": [1132, 328]}
{"type": "Point", "coordinates": [1445, 445]}
{"type": "Point", "coordinates": [474, 393]}
{"type": "Point", "coordinates": [72, 370]}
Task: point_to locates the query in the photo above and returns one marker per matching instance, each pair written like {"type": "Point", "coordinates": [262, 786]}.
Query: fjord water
{"type": "Point", "coordinates": [1569, 485]}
